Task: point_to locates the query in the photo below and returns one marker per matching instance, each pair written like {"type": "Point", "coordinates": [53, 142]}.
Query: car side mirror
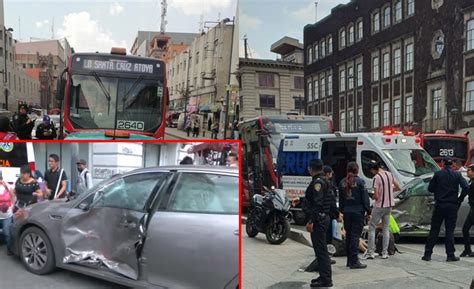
{"type": "Point", "coordinates": [84, 206]}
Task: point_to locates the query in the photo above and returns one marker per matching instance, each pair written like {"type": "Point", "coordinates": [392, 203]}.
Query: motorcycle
{"type": "Point", "coordinates": [269, 214]}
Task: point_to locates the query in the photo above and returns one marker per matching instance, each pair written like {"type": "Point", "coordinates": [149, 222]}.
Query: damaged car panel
{"type": "Point", "coordinates": [414, 208]}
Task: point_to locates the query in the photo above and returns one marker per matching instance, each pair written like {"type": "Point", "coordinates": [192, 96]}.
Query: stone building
{"type": "Point", "coordinates": [400, 63]}
{"type": "Point", "coordinates": [269, 87]}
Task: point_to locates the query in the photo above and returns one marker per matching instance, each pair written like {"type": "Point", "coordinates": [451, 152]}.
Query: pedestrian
{"type": "Point", "coordinates": [187, 160]}
{"type": "Point", "coordinates": [235, 129]}
{"type": "Point", "coordinates": [209, 123]}
{"type": "Point", "coordinates": [6, 132]}
{"type": "Point", "coordinates": [23, 125]}
{"type": "Point", "coordinates": [215, 130]}
{"type": "Point", "coordinates": [316, 206]}
{"type": "Point", "coordinates": [383, 186]}
{"type": "Point", "coordinates": [187, 125]}
{"type": "Point", "coordinates": [458, 165]}
{"type": "Point", "coordinates": [27, 190]}
{"type": "Point", "coordinates": [469, 222]}
{"type": "Point", "coordinates": [84, 180]}
{"type": "Point", "coordinates": [445, 186]}
{"type": "Point", "coordinates": [7, 199]}
{"type": "Point", "coordinates": [354, 204]}
{"type": "Point", "coordinates": [55, 179]}
{"type": "Point", "coordinates": [232, 160]}
{"type": "Point", "coordinates": [196, 128]}
{"type": "Point", "coordinates": [46, 129]}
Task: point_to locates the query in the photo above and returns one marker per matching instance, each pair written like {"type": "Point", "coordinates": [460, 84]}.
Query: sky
{"type": "Point", "coordinates": [91, 25]}
{"type": "Point", "coordinates": [267, 21]}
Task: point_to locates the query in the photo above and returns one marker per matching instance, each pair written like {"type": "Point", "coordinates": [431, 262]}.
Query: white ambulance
{"type": "Point", "coordinates": [14, 155]}
{"type": "Point", "coordinates": [399, 153]}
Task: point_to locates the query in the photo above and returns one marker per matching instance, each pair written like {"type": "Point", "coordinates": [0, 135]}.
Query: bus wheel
{"type": "Point", "coordinates": [300, 218]}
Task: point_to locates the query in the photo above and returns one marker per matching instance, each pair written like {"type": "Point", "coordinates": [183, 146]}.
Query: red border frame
{"type": "Point", "coordinates": [172, 141]}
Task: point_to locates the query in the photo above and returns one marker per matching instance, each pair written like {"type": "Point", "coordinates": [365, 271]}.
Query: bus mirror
{"type": "Point", "coordinates": [60, 86]}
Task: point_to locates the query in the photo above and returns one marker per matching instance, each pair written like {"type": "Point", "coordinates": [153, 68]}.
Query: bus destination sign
{"type": "Point", "coordinates": [110, 64]}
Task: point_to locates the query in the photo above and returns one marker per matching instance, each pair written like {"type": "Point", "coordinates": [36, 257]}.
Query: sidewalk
{"type": "Point", "coordinates": [174, 133]}
{"type": "Point", "coordinates": [268, 266]}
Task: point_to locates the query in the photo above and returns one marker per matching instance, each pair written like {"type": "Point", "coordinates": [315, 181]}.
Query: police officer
{"type": "Point", "coordinates": [469, 222]}
{"type": "Point", "coordinates": [23, 125]}
{"type": "Point", "coordinates": [317, 205]}
{"type": "Point", "coordinates": [445, 185]}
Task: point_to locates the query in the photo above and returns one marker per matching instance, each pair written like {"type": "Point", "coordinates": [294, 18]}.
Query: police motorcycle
{"type": "Point", "coordinates": [269, 214]}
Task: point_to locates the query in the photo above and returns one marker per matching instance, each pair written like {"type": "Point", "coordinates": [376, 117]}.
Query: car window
{"type": "Point", "coordinates": [368, 156]}
{"type": "Point", "coordinates": [205, 193]}
{"type": "Point", "coordinates": [131, 192]}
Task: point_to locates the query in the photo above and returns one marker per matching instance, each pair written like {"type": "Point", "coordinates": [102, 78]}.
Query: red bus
{"type": "Point", "coordinates": [441, 144]}
{"type": "Point", "coordinates": [113, 95]}
{"type": "Point", "coordinates": [261, 137]}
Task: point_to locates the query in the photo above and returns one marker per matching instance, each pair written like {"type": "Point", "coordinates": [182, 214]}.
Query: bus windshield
{"type": "Point", "coordinates": [440, 147]}
{"type": "Point", "coordinates": [411, 163]}
{"type": "Point", "coordinates": [96, 102]}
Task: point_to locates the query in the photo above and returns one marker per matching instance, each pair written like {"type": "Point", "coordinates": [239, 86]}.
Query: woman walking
{"type": "Point", "coordinates": [353, 203]}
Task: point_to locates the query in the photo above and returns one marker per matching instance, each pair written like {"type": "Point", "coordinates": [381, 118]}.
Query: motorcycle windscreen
{"type": "Point", "coordinates": [104, 238]}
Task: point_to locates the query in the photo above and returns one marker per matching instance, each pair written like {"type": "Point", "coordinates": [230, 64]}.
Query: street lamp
{"type": "Point", "coordinates": [186, 93]}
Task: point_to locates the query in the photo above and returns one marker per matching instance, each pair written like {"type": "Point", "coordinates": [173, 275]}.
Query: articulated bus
{"type": "Point", "coordinates": [113, 95]}
{"type": "Point", "coordinates": [261, 138]}
{"type": "Point", "coordinates": [441, 144]}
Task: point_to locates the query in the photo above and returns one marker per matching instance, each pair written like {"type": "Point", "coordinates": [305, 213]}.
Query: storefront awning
{"type": "Point", "coordinates": [214, 146]}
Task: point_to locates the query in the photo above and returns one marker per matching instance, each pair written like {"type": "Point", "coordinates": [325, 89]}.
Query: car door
{"type": "Point", "coordinates": [193, 236]}
{"type": "Point", "coordinates": [106, 229]}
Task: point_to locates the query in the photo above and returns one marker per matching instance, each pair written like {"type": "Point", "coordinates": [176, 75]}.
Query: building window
{"type": "Point", "coordinates": [436, 103]}
{"type": "Point", "coordinates": [376, 22]}
{"type": "Point", "coordinates": [375, 116]}
{"type": "Point", "coordinates": [329, 44]}
{"type": "Point", "coordinates": [323, 48]}
{"type": "Point", "coordinates": [359, 74]}
{"type": "Point", "coordinates": [342, 39]}
{"type": "Point", "coordinates": [350, 120]}
{"type": "Point", "coordinates": [316, 51]}
{"type": "Point", "coordinates": [386, 114]}
{"type": "Point", "coordinates": [410, 7]}
{"type": "Point", "coordinates": [323, 87]}
{"type": "Point", "coordinates": [329, 84]}
{"type": "Point", "coordinates": [375, 69]}
{"type": "Point", "coordinates": [398, 11]}
{"type": "Point", "coordinates": [386, 17]}
{"type": "Point", "coordinates": [351, 77]}
{"type": "Point", "coordinates": [342, 80]}
{"type": "Point", "coordinates": [360, 30]}
{"type": "Point", "coordinates": [397, 61]}
{"type": "Point", "coordinates": [470, 35]}
{"type": "Point", "coordinates": [359, 118]}
{"type": "Point", "coordinates": [386, 65]}
{"type": "Point", "coordinates": [409, 109]}
{"type": "Point", "coordinates": [351, 34]}
{"type": "Point", "coordinates": [299, 82]}
{"type": "Point", "coordinates": [266, 80]}
{"type": "Point", "coordinates": [310, 90]}
{"type": "Point", "coordinates": [343, 121]}
{"type": "Point", "coordinates": [397, 112]}
{"type": "Point", "coordinates": [409, 57]}
{"type": "Point", "coordinates": [299, 102]}
{"type": "Point", "coordinates": [470, 96]}
{"type": "Point", "coordinates": [309, 55]}
{"type": "Point", "coordinates": [316, 89]}
{"type": "Point", "coordinates": [267, 100]}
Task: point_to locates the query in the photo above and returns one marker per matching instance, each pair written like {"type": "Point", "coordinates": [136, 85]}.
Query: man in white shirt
{"type": "Point", "coordinates": [84, 180]}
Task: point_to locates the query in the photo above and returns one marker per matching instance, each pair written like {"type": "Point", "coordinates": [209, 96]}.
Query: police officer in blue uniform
{"type": "Point", "coordinates": [469, 222]}
{"type": "Point", "coordinates": [317, 205]}
{"type": "Point", "coordinates": [445, 186]}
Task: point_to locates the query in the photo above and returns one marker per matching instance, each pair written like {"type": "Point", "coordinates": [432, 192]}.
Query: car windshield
{"type": "Point", "coordinates": [96, 102]}
{"type": "Point", "coordinates": [415, 162]}
{"type": "Point", "coordinates": [418, 187]}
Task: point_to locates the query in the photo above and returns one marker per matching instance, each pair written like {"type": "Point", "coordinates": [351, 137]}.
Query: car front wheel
{"type": "Point", "coordinates": [36, 251]}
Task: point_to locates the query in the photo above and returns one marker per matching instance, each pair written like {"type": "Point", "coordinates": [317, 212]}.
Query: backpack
{"type": "Point", "coordinates": [392, 249]}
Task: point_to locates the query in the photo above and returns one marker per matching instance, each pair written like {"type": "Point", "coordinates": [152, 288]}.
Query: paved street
{"type": "Point", "coordinates": [175, 134]}
{"type": "Point", "coordinates": [276, 267]}
{"type": "Point", "coordinates": [14, 276]}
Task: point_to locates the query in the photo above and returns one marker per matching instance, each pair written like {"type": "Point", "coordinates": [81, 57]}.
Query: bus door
{"type": "Point", "coordinates": [337, 153]}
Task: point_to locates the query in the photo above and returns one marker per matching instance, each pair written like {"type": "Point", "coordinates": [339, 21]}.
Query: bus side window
{"type": "Point", "coordinates": [368, 156]}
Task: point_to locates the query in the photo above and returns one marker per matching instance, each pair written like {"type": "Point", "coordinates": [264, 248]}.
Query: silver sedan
{"type": "Point", "coordinates": [167, 227]}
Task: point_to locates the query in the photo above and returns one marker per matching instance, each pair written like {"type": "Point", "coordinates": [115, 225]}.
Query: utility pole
{"type": "Point", "coordinates": [245, 47]}
{"type": "Point", "coordinates": [226, 115]}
